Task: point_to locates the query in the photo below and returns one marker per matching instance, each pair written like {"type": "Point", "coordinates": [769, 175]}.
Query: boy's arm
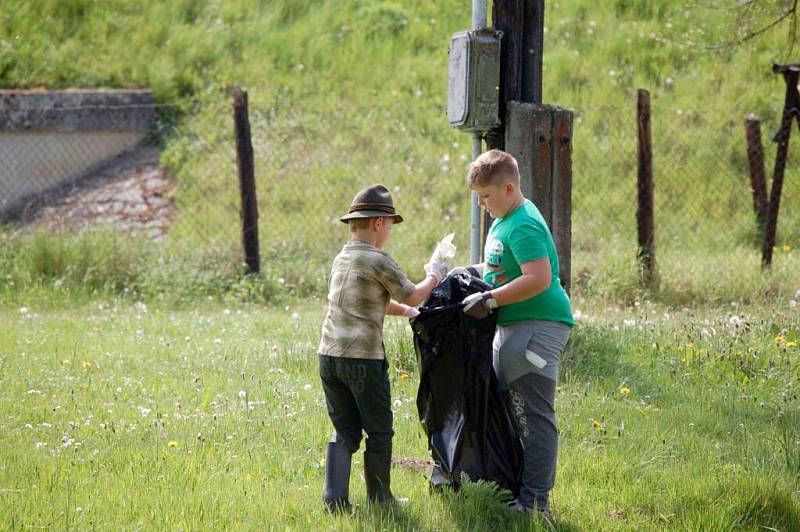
{"type": "Point", "coordinates": [399, 309]}
{"type": "Point", "coordinates": [422, 291]}
{"type": "Point", "coordinates": [535, 279]}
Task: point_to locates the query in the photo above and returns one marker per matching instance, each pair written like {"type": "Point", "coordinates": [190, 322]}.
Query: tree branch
{"type": "Point", "coordinates": [789, 12]}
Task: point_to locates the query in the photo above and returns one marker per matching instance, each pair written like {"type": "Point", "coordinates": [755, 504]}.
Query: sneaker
{"type": "Point", "coordinates": [516, 506]}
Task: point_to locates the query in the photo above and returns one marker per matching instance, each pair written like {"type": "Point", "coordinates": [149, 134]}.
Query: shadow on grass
{"type": "Point", "coordinates": [481, 506]}
{"type": "Point", "coordinates": [386, 517]}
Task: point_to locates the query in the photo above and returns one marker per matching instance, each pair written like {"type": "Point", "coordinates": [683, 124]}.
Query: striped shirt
{"type": "Point", "coordinates": [363, 280]}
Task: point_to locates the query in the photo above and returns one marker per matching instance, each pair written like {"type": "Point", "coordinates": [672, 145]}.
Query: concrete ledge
{"type": "Point", "coordinates": [76, 110]}
{"type": "Point", "coordinates": [52, 138]}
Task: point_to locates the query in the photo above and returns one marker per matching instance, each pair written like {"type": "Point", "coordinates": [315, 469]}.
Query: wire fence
{"type": "Point", "coordinates": [176, 184]}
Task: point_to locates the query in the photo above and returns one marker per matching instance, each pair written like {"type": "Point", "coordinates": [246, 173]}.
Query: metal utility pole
{"type": "Point", "coordinates": [473, 87]}
{"type": "Point", "coordinates": [478, 21]}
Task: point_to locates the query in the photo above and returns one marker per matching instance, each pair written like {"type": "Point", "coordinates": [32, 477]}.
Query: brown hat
{"type": "Point", "coordinates": [372, 202]}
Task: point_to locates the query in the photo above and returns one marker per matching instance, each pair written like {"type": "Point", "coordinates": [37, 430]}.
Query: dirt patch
{"type": "Point", "coordinates": [129, 193]}
{"type": "Point", "coordinates": [416, 464]}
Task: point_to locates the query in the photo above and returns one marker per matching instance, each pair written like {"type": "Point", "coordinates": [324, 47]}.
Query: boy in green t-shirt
{"type": "Point", "coordinates": [534, 317]}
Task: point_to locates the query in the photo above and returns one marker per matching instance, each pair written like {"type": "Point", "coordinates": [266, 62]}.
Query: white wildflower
{"type": "Point", "coordinates": [736, 321]}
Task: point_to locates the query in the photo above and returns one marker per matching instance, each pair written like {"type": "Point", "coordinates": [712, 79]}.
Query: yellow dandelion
{"type": "Point", "coordinates": [66, 362]}
{"type": "Point", "coordinates": [738, 353]}
{"type": "Point", "coordinates": [87, 364]}
{"type": "Point", "coordinates": [702, 351]}
{"type": "Point", "coordinates": [172, 443]}
{"type": "Point", "coordinates": [787, 248]}
{"type": "Point", "coordinates": [624, 391]}
{"type": "Point", "coordinates": [779, 340]}
{"type": "Point", "coordinates": [597, 425]}
{"type": "Point", "coordinates": [404, 375]}
{"type": "Point", "coordinates": [791, 344]}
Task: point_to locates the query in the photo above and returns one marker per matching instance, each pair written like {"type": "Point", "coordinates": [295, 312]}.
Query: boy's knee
{"type": "Point", "coordinates": [351, 441]}
{"type": "Point", "coordinates": [379, 443]}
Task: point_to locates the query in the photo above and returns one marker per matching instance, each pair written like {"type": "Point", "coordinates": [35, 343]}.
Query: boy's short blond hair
{"type": "Point", "coordinates": [357, 224]}
{"type": "Point", "coordinates": [493, 167]}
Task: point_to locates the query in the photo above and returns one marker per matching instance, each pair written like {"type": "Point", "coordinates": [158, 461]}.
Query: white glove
{"type": "Point", "coordinates": [440, 260]}
{"type": "Point", "coordinates": [479, 305]}
{"type": "Point", "coordinates": [437, 268]}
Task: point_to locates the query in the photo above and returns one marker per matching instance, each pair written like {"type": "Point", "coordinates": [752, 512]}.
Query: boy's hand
{"type": "Point", "coordinates": [440, 260]}
{"type": "Point", "coordinates": [437, 268]}
{"type": "Point", "coordinates": [411, 313]}
{"type": "Point", "coordinates": [479, 305]}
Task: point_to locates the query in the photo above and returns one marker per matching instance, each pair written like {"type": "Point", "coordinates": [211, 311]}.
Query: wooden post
{"type": "Point", "coordinates": [790, 110]}
{"type": "Point", "coordinates": [758, 181]}
{"type": "Point", "coordinates": [247, 183]}
{"type": "Point", "coordinates": [522, 24]}
{"type": "Point", "coordinates": [645, 222]}
{"type": "Point", "coordinates": [540, 138]}
{"type": "Point", "coordinates": [561, 192]}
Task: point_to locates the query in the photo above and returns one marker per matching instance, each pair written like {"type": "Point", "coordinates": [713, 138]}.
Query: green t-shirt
{"type": "Point", "coordinates": [522, 236]}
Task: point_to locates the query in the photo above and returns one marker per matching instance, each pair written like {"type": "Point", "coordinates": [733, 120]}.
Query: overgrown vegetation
{"type": "Point", "coordinates": [351, 92]}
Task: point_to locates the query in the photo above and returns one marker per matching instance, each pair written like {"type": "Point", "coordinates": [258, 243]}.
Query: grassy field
{"type": "Point", "coordinates": [155, 387]}
{"type": "Point", "coordinates": [121, 416]}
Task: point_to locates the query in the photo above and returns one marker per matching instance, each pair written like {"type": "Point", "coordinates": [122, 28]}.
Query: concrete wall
{"type": "Point", "coordinates": [50, 138]}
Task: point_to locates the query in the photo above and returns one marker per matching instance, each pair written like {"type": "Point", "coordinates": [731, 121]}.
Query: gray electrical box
{"type": "Point", "coordinates": [473, 81]}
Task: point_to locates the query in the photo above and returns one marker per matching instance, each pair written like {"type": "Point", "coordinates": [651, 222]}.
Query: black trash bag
{"type": "Point", "coordinates": [461, 408]}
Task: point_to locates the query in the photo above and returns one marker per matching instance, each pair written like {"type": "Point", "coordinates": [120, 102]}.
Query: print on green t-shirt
{"type": "Point", "coordinates": [522, 236]}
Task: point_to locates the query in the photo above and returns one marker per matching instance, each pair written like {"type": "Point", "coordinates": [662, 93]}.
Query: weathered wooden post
{"type": "Point", "coordinates": [538, 136]}
{"type": "Point", "coordinates": [758, 181]}
{"type": "Point", "coordinates": [247, 183]}
{"type": "Point", "coordinates": [645, 218]}
{"type": "Point", "coordinates": [791, 108]}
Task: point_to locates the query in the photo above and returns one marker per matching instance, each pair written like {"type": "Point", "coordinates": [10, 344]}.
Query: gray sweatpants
{"type": "Point", "coordinates": [525, 358]}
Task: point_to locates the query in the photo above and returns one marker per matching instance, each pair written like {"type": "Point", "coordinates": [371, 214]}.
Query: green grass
{"type": "Point", "coordinates": [706, 439]}
{"type": "Point", "coordinates": [347, 93]}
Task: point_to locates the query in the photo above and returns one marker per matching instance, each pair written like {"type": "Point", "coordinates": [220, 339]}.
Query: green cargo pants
{"type": "Point", "coordinates": [358, 397]}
